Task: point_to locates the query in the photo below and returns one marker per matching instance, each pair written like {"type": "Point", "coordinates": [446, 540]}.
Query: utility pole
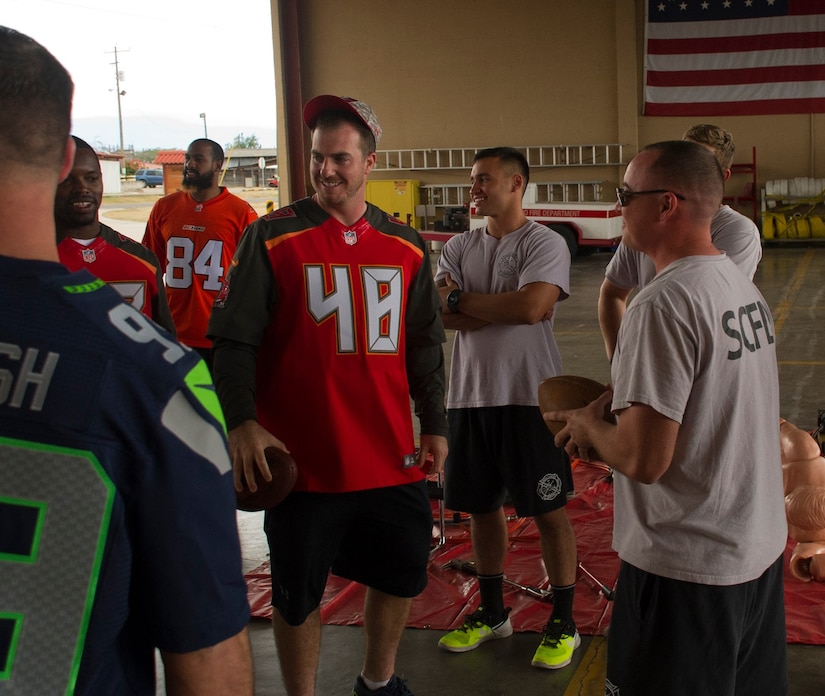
{"type": "Point", "coordinates": [120, 93]}
{"type": "Point", "coordinates": [205, 134]}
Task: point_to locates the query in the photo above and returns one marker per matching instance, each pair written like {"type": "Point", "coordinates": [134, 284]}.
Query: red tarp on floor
{"type": "Point", "coordinates": [451, 593]}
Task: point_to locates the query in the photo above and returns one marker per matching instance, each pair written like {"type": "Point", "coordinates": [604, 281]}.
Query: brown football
{"type": "Point", "coordinates": [270, 493]}
{"type": "Point", "coordinates": [568, 392]}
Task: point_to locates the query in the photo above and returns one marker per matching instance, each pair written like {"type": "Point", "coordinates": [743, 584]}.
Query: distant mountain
{"type": "Point", "coordinates": [165, 133]}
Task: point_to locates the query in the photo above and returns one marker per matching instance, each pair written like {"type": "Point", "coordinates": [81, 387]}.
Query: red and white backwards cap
{"type": "Point", "coordinates": [329, 102]}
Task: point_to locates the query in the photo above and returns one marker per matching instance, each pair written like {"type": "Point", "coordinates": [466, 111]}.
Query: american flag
{"type": "Point", "coordinates": [734, 57]}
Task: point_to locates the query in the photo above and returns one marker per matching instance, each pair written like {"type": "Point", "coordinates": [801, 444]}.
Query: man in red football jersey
{"type": "Point", "coordinates": [85, 242]}
{"type": "Point", "coordinates": [327, 323]}
{"type": "Point", "coordinates": [194, 234]}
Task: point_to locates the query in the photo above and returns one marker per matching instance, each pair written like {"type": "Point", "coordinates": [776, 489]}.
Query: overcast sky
{"type": "Point", "coordinates": [178, 59]}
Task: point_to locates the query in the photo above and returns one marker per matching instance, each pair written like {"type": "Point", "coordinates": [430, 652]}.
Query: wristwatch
{"type": "Point", "coordinates": [453, 298]}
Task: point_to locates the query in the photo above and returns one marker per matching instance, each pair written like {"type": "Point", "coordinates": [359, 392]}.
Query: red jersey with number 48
{"type": "Point", "coordinates": [335, 312]}
{"type": "Point", "coordinates": [194, 243]}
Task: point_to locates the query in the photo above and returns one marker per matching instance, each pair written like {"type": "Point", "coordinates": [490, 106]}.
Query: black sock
{"type": "Point", "coordinates": [563, 602]}
{"type": "Point", "coordinates": [492, 599]}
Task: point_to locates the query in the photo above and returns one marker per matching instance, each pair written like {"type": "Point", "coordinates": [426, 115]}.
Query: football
{"type": "Point", "coordinates": [270, 493]}
{"type": "Point", "coordinates": [568, 392]}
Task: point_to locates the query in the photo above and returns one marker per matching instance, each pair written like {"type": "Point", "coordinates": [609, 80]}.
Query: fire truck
{"type": "Point", "coordinates": [574, 209]}
{"type": "Point", "coordinates": [582, 224]}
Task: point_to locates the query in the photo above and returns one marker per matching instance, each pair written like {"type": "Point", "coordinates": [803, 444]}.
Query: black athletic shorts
{"type": "Point", "coordinates": [684, 639]}
{"type": "Point", "coordinates": [500, 449]}
{"type": "Point", "coordinates": [379, 537]}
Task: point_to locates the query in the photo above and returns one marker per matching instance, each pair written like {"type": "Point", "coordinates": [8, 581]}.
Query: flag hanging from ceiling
{"type": "Point", "coordinates": [734, 57]}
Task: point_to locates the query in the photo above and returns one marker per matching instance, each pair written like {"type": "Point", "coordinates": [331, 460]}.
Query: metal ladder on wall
{"type": "Point", "coordinates": [538, 156]}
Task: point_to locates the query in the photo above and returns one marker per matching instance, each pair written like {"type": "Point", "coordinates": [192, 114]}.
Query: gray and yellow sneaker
{"type": "Point", "coordinates": [558, 641]}
{"type": "Point", "coordinates": [476, 629]}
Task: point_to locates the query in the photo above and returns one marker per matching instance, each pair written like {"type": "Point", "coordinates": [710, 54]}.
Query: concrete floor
{"type": "Point", "coordinates": [791, 280]}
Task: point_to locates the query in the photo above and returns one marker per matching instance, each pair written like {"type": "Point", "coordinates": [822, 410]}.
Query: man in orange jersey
{"type": "Point", "coordinates": [194, 233]}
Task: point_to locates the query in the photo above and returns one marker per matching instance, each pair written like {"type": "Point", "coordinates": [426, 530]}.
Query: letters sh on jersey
{"type": "Point", "coordinates": [15, 384]}
{"type": "Point", "coordinates": [745, 326]}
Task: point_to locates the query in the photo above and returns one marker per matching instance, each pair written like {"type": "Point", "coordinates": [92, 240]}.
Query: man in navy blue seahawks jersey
{"type": "Point", "coordinates": [117, 520]}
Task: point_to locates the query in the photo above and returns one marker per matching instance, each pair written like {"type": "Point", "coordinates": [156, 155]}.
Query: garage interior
{"type": "Point", "coordinates": [450, 78]}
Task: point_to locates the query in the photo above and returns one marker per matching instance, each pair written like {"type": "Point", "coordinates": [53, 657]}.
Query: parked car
{"type": "Point", "coordinates": [272, 182]}
{"type": "Point", "coordinates": [149, 177]}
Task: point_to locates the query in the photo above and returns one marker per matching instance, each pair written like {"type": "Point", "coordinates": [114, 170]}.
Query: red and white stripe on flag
{"type": "Point", "coordinates": [734, 57]}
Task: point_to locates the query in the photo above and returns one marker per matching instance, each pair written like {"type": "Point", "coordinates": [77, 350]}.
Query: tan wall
{"type": "Point", "coordinates": [786, 146]}
{"type": "Point", "coordinates": [448, 73]}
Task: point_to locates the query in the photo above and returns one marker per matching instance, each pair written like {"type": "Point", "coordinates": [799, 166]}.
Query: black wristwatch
{"type": "Point", "coordinates": [453, 298]}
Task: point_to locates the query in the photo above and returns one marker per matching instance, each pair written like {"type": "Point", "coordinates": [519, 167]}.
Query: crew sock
{"type": "Point", "coordinates": [492, 598]}
{"type": "Point", "coordinates": [563, 601]}
{"type": "Point", "coordinates": [374, 685]}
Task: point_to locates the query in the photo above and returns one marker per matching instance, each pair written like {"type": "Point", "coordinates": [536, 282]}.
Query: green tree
{"type": "Point", "coordinates": [139, 159]}
{"type": "Point", "coordinates": [242, 142]}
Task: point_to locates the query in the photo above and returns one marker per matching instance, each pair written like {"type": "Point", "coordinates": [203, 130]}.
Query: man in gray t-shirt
{"type": "Point", "coordinates": [499, 286]}
{"type": "Point", "coordinates": [699, 505]}
{"type": "Point", "coordinates": [731, 232]}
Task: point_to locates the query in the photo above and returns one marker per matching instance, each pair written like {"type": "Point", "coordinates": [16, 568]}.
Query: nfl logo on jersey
{"type": "Point", "coordinates": [220, 300]}
{"type": "Point", "coordinates": [89, 255]}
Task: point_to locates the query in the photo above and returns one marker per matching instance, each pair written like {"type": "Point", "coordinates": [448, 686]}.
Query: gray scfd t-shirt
{"type": "Point", "coordinates": [730, 232]}
{"type": "Point", "coordinates": [501, 365]}
{"type": "Point", "coordinates": [698, 346]}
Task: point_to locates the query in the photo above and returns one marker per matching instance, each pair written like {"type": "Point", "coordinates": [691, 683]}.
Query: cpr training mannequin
{"type": "Point", "coordinates": [803, 474]}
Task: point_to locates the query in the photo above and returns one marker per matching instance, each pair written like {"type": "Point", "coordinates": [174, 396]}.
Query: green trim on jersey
{"type": "Point", "coordinates": [96, 284]}
{"type": "Point", "coordinates": [14, 640]}
{"type": "Point", "coordinates": [199, 381]}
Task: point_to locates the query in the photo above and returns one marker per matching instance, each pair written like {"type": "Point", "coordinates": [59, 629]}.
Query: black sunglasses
{"type": "Point", "coordinates": [624, 195]}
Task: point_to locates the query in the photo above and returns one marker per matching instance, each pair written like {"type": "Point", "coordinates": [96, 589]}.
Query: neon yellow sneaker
{"type": "Point", "coordinates": [477, 628]}
{"type": "Point", "coordinates": [558, 641]}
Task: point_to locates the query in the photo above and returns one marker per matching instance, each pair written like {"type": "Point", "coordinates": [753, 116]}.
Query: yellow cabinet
{"type": "Point", "coordinates": [396, 197]}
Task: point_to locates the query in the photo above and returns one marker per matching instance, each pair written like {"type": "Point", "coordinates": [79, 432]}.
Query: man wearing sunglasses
{"type": "Point", "coordinates": [699, 510]}
{"type": "Point", "coordinates": [731, 232]}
